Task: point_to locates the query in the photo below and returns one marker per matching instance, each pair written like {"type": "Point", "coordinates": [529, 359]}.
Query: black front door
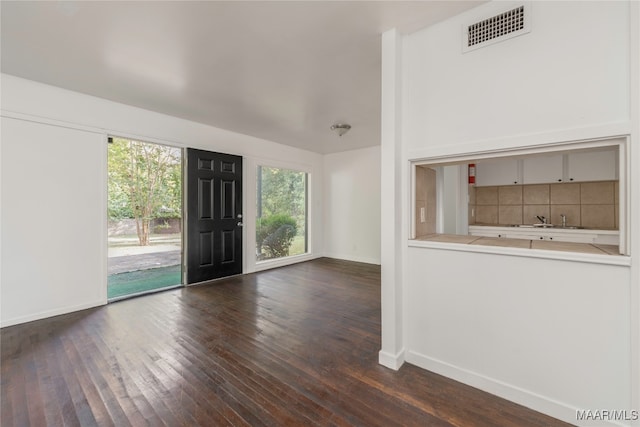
{"type": "Point", "coordinates": [214, 215]}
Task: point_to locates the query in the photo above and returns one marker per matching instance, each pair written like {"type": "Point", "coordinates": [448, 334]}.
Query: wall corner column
{"type": "Point", "coordinates": [392, 208]}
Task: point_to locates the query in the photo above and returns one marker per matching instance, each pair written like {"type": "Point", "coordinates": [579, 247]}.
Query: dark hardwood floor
{"type": "Point", "coordinates": [292, 346]}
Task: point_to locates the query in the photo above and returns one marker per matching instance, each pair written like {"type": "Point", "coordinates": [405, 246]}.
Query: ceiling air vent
{"type": "Point", "coordinates": [504, 26]}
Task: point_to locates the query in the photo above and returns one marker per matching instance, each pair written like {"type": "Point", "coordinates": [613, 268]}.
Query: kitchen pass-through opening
{"type": "Point", "coordinates": [569, 197]}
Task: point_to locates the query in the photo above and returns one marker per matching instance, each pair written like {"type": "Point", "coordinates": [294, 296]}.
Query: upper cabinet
{"type": "Point", "coordinates": [542, 169]}
{"type": "Point", "coordinates": [578, 166]}
{"type": "Point", "coordinates": [592, 166]}
{"type": "Point", "coordinates": [498, 172]}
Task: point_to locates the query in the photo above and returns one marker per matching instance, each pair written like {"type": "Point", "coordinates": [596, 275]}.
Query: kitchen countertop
{"type": "Point", "coordinates": [586, 248]}
{"type": "Point", "coordinates": [553, 228]}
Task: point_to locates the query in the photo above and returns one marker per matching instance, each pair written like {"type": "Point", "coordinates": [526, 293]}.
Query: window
{"type": "Point", "coordinates": [281, 224]}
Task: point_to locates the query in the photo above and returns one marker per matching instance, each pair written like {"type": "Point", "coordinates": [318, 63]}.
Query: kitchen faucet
{"type": "Point", "coordinates": [542, 219]}
{"type": "Point", "coordinates": [564, 220]}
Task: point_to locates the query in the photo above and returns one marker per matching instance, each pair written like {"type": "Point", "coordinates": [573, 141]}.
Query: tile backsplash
{"type": "Point", "coordinates": [585, 204]}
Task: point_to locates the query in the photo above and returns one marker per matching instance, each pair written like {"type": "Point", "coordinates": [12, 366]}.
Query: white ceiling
{"type": "Point", "coordinates": [283, 71]}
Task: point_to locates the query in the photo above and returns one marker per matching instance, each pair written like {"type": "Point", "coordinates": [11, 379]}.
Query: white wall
{"type": "Point", "coordinates": [548, 334]}
{"type": "Point", "coordinates": [53, 220]}
{"type": "Point", "coordinates": [571, 71]}
{"type": "Point", "coordinates": [59, 137]}
{"type": "Point", "coordinates": [555, 335]}
{"type": "Point", "coordinates": [452, 210]}
{"type": "Point", "coordinates": [352, 205]}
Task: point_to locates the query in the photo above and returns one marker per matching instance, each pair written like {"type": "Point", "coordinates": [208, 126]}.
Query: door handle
{"type": "Point", "coordinates": [240, 224]}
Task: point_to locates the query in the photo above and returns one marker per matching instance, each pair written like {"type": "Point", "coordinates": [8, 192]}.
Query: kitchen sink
{"type": "Point", "coordinates": [567, 227]}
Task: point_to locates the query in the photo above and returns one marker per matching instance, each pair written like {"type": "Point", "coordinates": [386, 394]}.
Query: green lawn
{"type": "Point", "coordinates": [297, 246]}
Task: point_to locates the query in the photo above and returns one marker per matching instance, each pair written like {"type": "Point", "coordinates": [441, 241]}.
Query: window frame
{"type": "Point", "coordinates": [259, 265]}
{"type": "Point", "coordinates": [624, 215]}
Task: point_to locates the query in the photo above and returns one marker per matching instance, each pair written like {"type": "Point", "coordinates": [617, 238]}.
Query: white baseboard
{"type": "Point", "coordinates": [365, 260]}
{"type": "Point", "coordinates": [282, 262]}
{"type": "Point", "coordinates": [50, 313]}
{"type": "Point", "coordinates": [537, 402]}
{"type": "Point", "coordinates": [391, 361]}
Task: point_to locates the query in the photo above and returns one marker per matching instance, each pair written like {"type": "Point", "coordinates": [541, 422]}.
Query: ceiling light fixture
{"type": "Point", "coordinates": [340, 128]}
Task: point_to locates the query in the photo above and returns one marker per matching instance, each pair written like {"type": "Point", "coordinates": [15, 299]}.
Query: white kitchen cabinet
{"type": "Point", "coordinates": [548, 169]}
{"type": "Point", "coordinates": [604, 237]}
{"type": "Point", "coordinates": [592, 166]}
{"type": "Point", "coordinates": [543, 169]}
{"type": "Point", "coordinates": [512, 235]}
{"type": "Point", "coordinates": [498, 172]}
{"type": "Point", "coordinates": [483, 231]}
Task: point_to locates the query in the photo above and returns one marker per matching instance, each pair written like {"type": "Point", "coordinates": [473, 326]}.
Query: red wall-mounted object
{"type": "Point", "coordinates": [472, 173]}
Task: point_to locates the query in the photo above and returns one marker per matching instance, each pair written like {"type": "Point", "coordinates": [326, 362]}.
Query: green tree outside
{"type": "Point", "coordinates": [282, 198]}
{"type": "Point", "coordinates": [145, 182]}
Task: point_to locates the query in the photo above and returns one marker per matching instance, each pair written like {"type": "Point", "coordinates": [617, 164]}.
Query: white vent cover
{"type": "Point", "coordinates": [497, 28]}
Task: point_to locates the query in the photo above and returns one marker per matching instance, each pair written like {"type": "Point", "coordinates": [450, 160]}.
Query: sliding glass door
{"type": "Point", "coordinates": [145, 217]}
